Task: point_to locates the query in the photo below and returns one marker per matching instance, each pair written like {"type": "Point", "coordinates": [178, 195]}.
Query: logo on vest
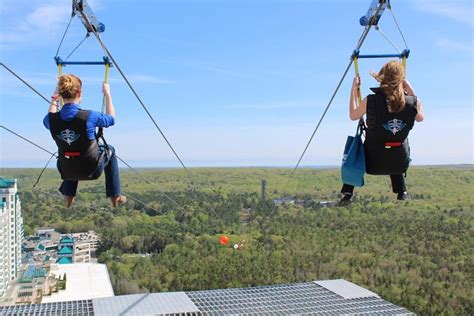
{"type": "Point", "coordinates": [394, 126]}
{"type": "Point", "coordinates": [68, 136]}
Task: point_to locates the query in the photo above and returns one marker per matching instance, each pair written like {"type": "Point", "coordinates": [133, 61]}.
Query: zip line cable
{"type": "Point", "coordinates": [75, 48]}
{"type": "Point", "coordinates": [137, 172]}
{"type": "Point", "coordinates": [42, 171]}
{"type": "Point", "coordinates": [359, 44]}
{"type": "Point", "coordinates": [396, 23]}
{"type": "Point", "coordinates": [38, 146]}
{"type": "Point", "coordinates": [55, 154]}
{"type": "Point", "coordinates": [27, 140]}
{"type": "Point", "coordinates": [107, 52]}
{"type": "Point", "coordinates": [377, 28]}
{"type": "Point", "coordinates": [26, 83]}
{"type": "Point", "coordinates": [64, 35]}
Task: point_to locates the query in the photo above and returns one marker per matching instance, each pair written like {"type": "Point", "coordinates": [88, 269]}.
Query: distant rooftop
{"type": "Point", "coordinates": [7, 183]}
{"type": "Point", "coordinates": [64, 260]}
{"type": "Point", "coordinates": [66, 250]}
{"type": "Point", "coordinates": [84, 281]}
{"type": "Point", "coordinates": [333, 297]}
{"type": "Point", "coordinates": [43, 230]}
{"type": "Point", "coordinates": [66, 239]}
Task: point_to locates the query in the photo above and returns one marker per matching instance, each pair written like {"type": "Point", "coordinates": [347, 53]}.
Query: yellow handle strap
{"type": "Point", "coordinates": [356, 68]}
{"type": "Point", "coordinates": [106, 79]}
{"type": "Point", "coordinates": [107, 68]}
{"type": "Point", "coordinates": [404, 64]}
{"type": "Point", "coordinates": [60, 73]}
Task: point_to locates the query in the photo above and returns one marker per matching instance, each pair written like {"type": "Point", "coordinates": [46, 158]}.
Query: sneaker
{"type": "Point", "coordinates": [69, 200]}
{"type": "Point", "coordinates": [404, 196]}
{"type": "Point", "coordinates": [345, 201]}
{"type": "Point", "coordinates": [117, 200]}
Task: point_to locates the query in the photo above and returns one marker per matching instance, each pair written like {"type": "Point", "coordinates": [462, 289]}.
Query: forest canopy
{"type": "Point", "coordinates": [416, 254]}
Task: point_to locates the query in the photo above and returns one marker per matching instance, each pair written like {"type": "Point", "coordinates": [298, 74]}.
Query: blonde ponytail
{"type": "Point", "coordinates": [390, 77]}
{"type": "Point", "coordinates": [69, 86]}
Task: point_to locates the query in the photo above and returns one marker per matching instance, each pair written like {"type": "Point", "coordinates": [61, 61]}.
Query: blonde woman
{"type": "Point", "coordinates": [74, 131]}
{"type": "Point", "coordinates": [391, 113]}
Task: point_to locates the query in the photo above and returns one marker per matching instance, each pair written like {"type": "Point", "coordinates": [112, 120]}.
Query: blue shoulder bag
{"type": "Point", "coordinates": [353, 161]}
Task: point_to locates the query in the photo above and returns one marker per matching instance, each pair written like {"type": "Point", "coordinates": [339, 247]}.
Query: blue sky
{"type": "Point", "coordinates": [237, 82]}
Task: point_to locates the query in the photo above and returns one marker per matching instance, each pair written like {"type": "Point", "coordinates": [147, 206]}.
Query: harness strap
{"type": "Point", "coordinates": [71, 154]}
{"type": "Point", "coordinates": [392, 144]}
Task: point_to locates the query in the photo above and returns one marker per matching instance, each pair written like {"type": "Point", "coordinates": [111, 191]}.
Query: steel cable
{"type": "Point", "coordinates": [54, 154]}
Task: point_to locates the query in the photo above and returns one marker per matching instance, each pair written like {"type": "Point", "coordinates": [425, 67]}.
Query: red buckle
{"type": "Point", "coordinates": [392, 144]}
{"type": "Point", "coordinates": [72, 153]}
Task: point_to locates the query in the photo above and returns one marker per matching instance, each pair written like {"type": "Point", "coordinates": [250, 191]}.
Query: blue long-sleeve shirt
{"type": "Point", "coordinates": [94, 120]}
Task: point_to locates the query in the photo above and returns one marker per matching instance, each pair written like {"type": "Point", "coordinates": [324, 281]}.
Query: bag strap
{"type": "Point", "coordinates": [361, 127]}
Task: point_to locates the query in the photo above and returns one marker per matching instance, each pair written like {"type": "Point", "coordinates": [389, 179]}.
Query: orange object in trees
{"type": "Point", "coordinates": [223, 240]}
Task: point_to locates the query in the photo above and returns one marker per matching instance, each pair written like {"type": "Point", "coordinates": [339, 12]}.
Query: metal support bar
{"type": "Point", "coordinates": [105, 61]}
{"type": "Point", "coordinates": [374, 13]}
{"type": "Point", "coordinates": [87, 17]}
{"type": "Point", "coordinates": [404, 55]}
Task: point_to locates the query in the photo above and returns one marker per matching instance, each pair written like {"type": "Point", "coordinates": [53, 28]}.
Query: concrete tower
{"type": "Point", "coordinates": [11, 232]}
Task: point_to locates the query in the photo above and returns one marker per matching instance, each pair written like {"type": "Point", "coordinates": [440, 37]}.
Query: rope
{"type": "Point", "coordinates": [396, 23]}
{"type": "Point", "coordinates": [42, 171]}
{"type": "Point", "coordinates": [75, 48]}
{"type": "Point", "coordinates": [54, 154]}
{"type": "Point", "coordinates": [107, 52]}
{"type": "Point", "coordinates": [38, 146]}
{"type": "Point", "coordinates": [27, 140]}
{"type": "Point", "coordinates": [137, 172]}
{"type": "Point", "coordinates": [26, 83]}
{"type": "Point", "coordinates": [64, 35]}
{"type": "Point", "coordinates": [322, 117]}
{"type": "Point", "coordinates": [359, 44]}
{"type": "Point", "coordinates": [388, 40]}
{"type": "Point", "coordinates": [143, 203]}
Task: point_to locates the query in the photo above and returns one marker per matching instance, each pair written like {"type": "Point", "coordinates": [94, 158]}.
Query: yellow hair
{"type": "Point", "coordinates": [69, 86]}
{"type": "Point", "coordinates": [390, 77]}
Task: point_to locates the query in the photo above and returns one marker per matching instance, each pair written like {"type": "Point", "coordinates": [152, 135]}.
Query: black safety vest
{"type": "Point", "coordinates": [78, 156]}
{"type": "Point", "coordinates": [386, 143]}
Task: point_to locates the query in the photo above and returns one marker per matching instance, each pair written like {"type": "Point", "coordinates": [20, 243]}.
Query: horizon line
{"type": "Point", "coordinates": [254, 166]}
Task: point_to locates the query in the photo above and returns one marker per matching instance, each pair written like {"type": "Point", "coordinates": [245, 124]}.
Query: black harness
{"type": "Point", "coordinates": [386, 139]}
{"type": "Point", "coordinates": [79, 156]}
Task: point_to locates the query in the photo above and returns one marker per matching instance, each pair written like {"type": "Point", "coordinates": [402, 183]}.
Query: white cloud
{"type": "Point", "coordinates": [48, 17]}
{"type": "Point", "coordinates": [23, 26]}
{"type": "Point", "coordinates": [37, 22]}
{"type": "Point", "coordinates": [458, 10]}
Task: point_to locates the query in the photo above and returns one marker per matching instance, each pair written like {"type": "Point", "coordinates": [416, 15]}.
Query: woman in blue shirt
{"type": "Point", "coordinates": [74, 131]}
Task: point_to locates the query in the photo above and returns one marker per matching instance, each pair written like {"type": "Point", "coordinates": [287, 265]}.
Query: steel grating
{"type": "Point", "coordinates": [69, 308]}
{"type": "Point", "coordinates": [301, 298]}
{"type": "Point", "coordinates": [145, 304]}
